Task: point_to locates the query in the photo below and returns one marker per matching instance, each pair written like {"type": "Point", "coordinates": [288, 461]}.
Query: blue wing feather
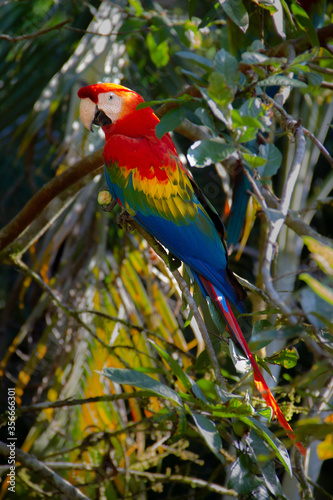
{"type": "Point", "coordinates": [197, 244]}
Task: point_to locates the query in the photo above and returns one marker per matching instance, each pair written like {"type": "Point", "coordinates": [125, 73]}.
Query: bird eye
{"type": "Point", "coordinates": [110, 97]}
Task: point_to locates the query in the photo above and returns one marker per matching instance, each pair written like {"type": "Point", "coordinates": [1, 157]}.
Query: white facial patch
{"type": "Point", "coordinates": [87, 112]}
{"type": "Point", "coordinates": [111, 104]}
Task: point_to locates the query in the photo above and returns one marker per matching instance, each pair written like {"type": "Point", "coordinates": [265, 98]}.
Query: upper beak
{"type": "Point", "coordinates": [88, 110]}
{"type": "Point", "coordinates": [90, 114]}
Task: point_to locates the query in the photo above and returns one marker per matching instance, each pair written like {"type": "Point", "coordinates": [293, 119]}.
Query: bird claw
{"type": "Point", "coordinates": [124, 221]}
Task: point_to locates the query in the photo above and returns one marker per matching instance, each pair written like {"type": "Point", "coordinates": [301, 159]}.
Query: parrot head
{"type": "Point", "coordinates": [112, 107]}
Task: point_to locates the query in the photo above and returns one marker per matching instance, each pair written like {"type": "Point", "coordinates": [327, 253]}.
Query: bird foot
{"type": "Point", "coordinates": [124, 221]}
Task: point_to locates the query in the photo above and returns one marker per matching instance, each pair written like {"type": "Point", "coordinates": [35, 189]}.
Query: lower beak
{"type": "Point", "coordinates": [101, 119]}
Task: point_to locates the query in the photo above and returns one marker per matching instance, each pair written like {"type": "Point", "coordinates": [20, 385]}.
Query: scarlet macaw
{"type": "Point", "coordinates": [144, 174]}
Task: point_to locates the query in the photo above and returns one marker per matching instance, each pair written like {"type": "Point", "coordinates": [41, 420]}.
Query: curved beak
{"type": "Point", "coordinates": [88, 111]}
{"type": "Point", "coordinates": [90, 114]}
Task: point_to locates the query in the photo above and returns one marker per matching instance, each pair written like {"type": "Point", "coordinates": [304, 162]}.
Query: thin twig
{"type": "Point", "coordinates": [301, 44]}
{"type": "Point", "coordinates": [177, 478]}
{"type": "Point", "coordinates": [306, 493]}
{"type": "Point", "coordinates": [289, 122]}
{"type": "Point", "coordinates": [320, 69]}
{"type": "Point", "coordinates": [323, 398]}
{"type": "Point", "coordinates": [75, 402]}
{"type": "Point", "coordinates": [320, 489]}
{"type": "Point", "coordinates": [112, 33]}
{"type": "Point", "coordinates": [153, 477]}
{"type": "Point", "coordinates": [284, 91]}
{"type": "Point", "coordinates": [13, 39]}
{"type": "Point", "coordinates": [44, 472]}
{"type": "Point", "coordinates": [327, 85]}
{"type": "Point", "coordinates": [319, 145]}
{"type": "Point", "coordinates": [293, 221]}
{"type": "Point", "coordinates": [132, 326]}
{"type": "Point", "coordinates": [64, 307]}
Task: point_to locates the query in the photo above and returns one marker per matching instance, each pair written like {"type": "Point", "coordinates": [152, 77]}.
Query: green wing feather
{"type": "Point", "coordinates": [152, 181]}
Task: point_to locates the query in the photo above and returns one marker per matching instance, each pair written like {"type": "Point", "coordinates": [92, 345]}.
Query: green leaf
{"type": "Point", "coordinates": [263, 334]}
{"type": "Point", "coordinates": [314, 79]}
{"type": "Point", "coordinates": [242, 476]}
{"type": "Point", "coordinates": [196, 78]}
{"type": "Point", "coordinates": [203, 362]}
{"type": "Point", "coordinates": [258, 328]}
{"type": "Point", "coordinates": [236, 11]}
{"type": "Point", "coordinates": [169, 121]}
{"type": "Point", "coordinates": [185, 98]}
{"type": "Point", "coordinates": [246, 128]}
{"type": "Point", "coordinates": [215, 315]}
{"type": "Point", "coordinates": [322, 254]}
{"type": "Point", "coordinates": [277, 80]}
{"type": "Point", "coordinates": [318, 311]}
{"type": "Point", "coordinates": [226, 64]}
{"type": "Point", "coordinates": [256, 58]}
{"type": "Point", "coordinates": [177, 370]}
{"type": "Point", "coordinates": [271, 440]}
{"type": "Point", "coordinates": [136, 4]}
{"type": "Point", "coordinates": [191, 7]}
{"type": "Point", "coordinates": [273, 158]}
{"type": "Point", "coordinates": [245, 121]}
{"type": "Point", "coordinates": [287, 358]}
{"type": "Point", "coordinates": [208, 151]}
{"type": "Point", "coordinates": [205, 118]}
{"type": "Point", "coordinates": [209, 17]}
{"type": "Point", "coordinates": [137, 379]}
{"type": "Point", "coordinates": [267, 413]}
{"type": "Point", "coordinates": [304, 22]}
{"type": "Point", "coordinates": [261, 453]}
{"type": "Point", "coordinates": [219, 90]}
{"type": "Point", "coordinates": [201, 61]}
{"type": "Point", "coordinates": [305, 57]}
{"type": "Point", "coordinates": [252, 107]}
{"type": "Point", "coordinates": [288, 13]}
{"type": "Point", "coordinates": [232, 409]}
{"type": "Point", "coordinates": [208, 431]}
{"type": "Point", "coordinates": [253, 160]}
{"type": "Point", "coordinates": [321, 290]}
{"type": "Point", "coordinates": [268, 5]}
{"type": "Point", "coordinates": [159, 53]}
{"type": "Point", "coordinates": [224, 116]}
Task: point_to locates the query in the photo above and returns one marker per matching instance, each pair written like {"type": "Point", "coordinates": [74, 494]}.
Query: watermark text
{"type": "Point", "coordinates": [11, 439]}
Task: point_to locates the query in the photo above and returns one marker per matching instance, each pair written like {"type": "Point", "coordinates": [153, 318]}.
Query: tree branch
{"type": "Point", "coordinates": [153, 477]}
{"type": "Point", "coordinates": [293, 221]}
{"type": "Point", "coordinates": [44, 472]}
{"type": "Point", "coordinates": [65, 403]}
{"type": "Point", "coordinates": [301, 44]}
{"type": "Point", "coordinates": [276, 224]}
{"type": "Point", "coordinates": [288, 122]}
{"type": "Point", "coordinates": [13, 39]}
{"type": "Point", "coordinates": [46, 194]}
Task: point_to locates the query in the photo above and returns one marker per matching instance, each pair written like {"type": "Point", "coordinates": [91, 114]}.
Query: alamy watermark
{"type": "Point", "coordinates": [11, 439]}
